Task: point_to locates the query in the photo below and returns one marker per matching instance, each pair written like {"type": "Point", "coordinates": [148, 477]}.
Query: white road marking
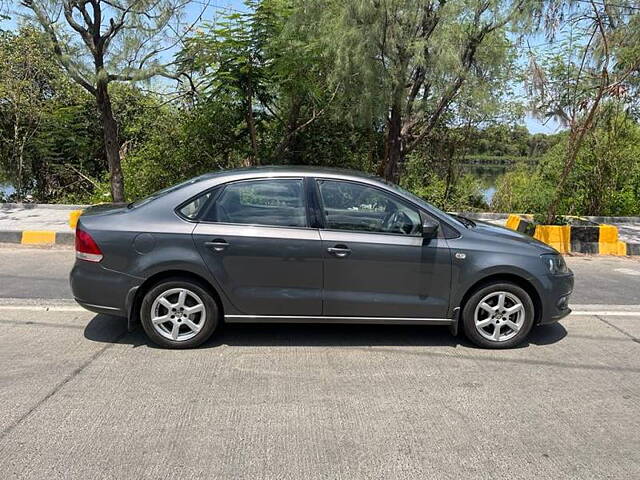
{"type": "Point", "coordinates": [44, 308]}
{"type": "Point", "coordinates": [628, 271]}
{"type": "Point", "coordinates": [606, 313]}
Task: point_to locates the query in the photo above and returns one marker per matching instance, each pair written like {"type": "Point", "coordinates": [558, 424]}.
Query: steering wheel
{"type": "Point", "coordinates": [399, 222]}
{"type": "Point", "coordinates": [393, 222]}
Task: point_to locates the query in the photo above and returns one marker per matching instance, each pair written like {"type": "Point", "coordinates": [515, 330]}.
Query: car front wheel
{"type": "Point", "coordinates": [498, 315]}
{"type": "Point", "coordinates": [178, 313]}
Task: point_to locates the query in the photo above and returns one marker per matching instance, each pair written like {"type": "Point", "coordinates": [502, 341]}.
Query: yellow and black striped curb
{"type": "Point", "coordinates": [43, 237]}
{"type": "Point", "coordinates": [593, 239]}
{"type": "Point", "coordinates": [37, 237]}
{"type": "Point", "coordinates": [73, 218]}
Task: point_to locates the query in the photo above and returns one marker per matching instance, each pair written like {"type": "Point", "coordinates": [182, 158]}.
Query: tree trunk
{"type": "Point", "coordinates": [251, 124]}
{"type": "Point", "coordinates": [576, 137]}
{"type": "Point", "coordinates": [389, 168]}
{"type": "Point", "coordinates": [17, 157]}
{"type": "Point", "coordinates": [111, 144]}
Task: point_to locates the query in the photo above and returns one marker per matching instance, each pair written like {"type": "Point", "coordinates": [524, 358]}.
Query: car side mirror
{"type": "Point", "coordinates": [429, 228]}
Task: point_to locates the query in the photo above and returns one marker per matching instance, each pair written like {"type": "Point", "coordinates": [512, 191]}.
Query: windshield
{"type": "Point", "coordinates": [422, 202]}
{"type": "Point", "coordinates": [162, 192]}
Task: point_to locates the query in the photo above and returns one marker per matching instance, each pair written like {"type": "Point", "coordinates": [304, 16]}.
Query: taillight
{"type": "Point", "coordinates": [86, 247]}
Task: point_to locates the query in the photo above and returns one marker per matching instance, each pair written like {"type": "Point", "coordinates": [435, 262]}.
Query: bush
{"type": "Point", "coordinates": [605, 179]}
{"type": "Point", "coordinates": [523, 190]}
{"type": "Point", "coordinates": [450, 190]}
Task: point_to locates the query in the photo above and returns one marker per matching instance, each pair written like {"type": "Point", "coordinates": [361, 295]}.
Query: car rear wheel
{"type": "Point", "coordinates": [179, 313]}
{"type": "Point", "coordinates": [498, 315]}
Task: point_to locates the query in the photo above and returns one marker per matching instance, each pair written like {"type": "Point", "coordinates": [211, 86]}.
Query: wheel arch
{"type": "Point", "coordinates": [522, 282]}
{"type": "Point", "coordinates": [139, 293]}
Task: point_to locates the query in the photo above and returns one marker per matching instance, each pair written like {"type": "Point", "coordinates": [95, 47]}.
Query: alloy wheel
{"type": "Point", "coordinates": [178, 314]}
{"type": "Point", "coordinates": [499, 316]}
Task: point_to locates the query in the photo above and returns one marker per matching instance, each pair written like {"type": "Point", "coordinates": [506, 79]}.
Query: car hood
{"type": "Point", "coordinates": [507, 235]}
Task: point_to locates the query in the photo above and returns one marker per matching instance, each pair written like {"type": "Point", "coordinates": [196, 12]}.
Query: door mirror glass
{"type": "Point", "coordinates": [429, 228]}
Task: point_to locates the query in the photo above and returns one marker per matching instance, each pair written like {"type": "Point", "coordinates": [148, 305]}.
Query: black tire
{"type": "Point", "coordinates": [468, 312]}
{"type": "Point", "coordinates": [211, 319]}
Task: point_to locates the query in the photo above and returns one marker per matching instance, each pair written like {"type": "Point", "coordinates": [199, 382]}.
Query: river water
{"type": "Point", "coordinates": [488, 176]}
{"type": "Point", "coordinates": [6, 189]}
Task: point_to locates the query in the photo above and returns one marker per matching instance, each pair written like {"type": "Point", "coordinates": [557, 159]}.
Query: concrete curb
{"type": "Point", "coordinates": [52, 206]}
{"type": "Point", "coordinates": [37, 237]}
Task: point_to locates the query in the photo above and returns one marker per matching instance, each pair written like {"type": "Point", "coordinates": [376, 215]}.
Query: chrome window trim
{"type": "Point", "coordinates": [354, 236]}
{"type": "Point", "coordinates": [259, 231]}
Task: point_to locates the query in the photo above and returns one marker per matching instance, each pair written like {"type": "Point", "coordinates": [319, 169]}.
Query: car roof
{"type": "Point", "coordinates": [303, 171]}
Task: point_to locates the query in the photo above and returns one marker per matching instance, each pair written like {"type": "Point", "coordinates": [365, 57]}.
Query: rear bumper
{"type": "Point", "coordinates": [101, 290]}
{"type": "Point", "coordinates": [101, 308]}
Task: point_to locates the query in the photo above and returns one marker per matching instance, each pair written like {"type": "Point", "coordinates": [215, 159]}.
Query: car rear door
{"type": "Point", "coordinates": [256, 240]}
{"type": "Point", "coordinates": [376, 265]}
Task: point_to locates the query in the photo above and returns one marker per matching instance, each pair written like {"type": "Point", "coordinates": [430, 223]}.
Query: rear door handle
{"type": "Point", "coordinates": [218, 244]}
{"type": "Point", "coordinates": [340, 251]}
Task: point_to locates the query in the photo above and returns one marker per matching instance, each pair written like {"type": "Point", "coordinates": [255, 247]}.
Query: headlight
{"type": "Point", "coordinates": [555, 263]}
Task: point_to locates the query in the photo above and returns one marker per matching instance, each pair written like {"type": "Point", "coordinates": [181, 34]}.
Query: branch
{"type": "Point", "coordinates": [467, 60]}
{"type": "Point", "coordinates": [47, 25]}
{"type": "Point", "coordinates": [84, 33]}
{"type": "Point", "coordinates": [299, 128]}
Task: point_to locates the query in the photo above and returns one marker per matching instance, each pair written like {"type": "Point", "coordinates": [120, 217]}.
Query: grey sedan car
{"type": "Point", "coordinates": [302, 245]}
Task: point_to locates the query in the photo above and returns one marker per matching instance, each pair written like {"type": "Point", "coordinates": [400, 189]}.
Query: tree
{"type": "Point", "coordinates": [232, 69]}
{"type": "Point", "coordinates": [598, 60]}
{"type": "Point", "coordinates": [28, 82]}
{"type": "Point", "coordinates": [264, 69]}
{"type": "Point", "coordinates": [103, 41]}
{"type": "Point", "coordinates": [406, 61]}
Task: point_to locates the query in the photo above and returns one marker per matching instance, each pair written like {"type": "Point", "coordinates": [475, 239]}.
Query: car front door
{"type": "Point", "coordinates": [256, 241]}
{"type": "Point", "coordinates": [376, 262]}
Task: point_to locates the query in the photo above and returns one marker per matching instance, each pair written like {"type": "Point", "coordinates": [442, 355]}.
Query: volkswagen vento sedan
{"type": "Point", "coordinates": [302, 245]}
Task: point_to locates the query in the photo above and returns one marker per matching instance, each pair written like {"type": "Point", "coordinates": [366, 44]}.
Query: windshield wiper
{"type": "Point", "coordinates": [465, 221]}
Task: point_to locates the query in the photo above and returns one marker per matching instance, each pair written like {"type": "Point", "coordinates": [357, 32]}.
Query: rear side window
{"type": "Point", "coordinates": [192, 209]}
{"type": "Point", "coordinates": [273, 202]}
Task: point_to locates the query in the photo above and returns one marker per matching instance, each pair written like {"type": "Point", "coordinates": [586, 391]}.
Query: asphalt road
{"type": "Point", "coordinates": [84, 399]}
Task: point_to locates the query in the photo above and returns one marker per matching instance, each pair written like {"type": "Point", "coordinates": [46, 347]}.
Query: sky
{"type": "Point", "coordinates": [209, 8]}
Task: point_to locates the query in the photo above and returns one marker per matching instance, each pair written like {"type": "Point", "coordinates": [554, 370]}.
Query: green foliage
{"type": "Point", "coordinates": [313, 83]}
{"type": "Point", "coordinates": [522, 190]}
{"type": "Point", "coordinates": [604, 181]}
{"type": "Point", "coordinates": [451, 191]}
{"type": "Point", "coordinates": [46, 124]}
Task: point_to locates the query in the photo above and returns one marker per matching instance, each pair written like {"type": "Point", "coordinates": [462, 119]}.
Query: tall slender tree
{"type": "Point", "coordinates": [103, 41]}
{"type": "Point", "coordinates": [407, 60]}
{"type": "Point", "coordinates": [592, 58]}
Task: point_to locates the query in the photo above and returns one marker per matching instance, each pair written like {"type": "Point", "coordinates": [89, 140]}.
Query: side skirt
{"type": "Point", "coordinates": [326, 319]}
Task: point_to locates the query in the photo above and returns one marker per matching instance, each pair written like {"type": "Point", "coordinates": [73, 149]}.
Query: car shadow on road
{"type": "Point", "coordinates": [107, 329]}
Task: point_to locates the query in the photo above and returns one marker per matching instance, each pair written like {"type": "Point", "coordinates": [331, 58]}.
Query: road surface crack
{"type": "Point", "coordinates": [615, 327]}
{"type": "Point", "coordinates": [12, 426]}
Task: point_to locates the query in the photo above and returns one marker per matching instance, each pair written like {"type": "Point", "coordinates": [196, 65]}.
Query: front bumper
{"type": "Point", "coordinates": [555, 301]}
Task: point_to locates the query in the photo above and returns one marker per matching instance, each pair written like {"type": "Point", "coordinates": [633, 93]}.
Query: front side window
{"type": "Point", "coordinates": [353, 206]}
{"type": "Point", "coordinates": [274, 202]}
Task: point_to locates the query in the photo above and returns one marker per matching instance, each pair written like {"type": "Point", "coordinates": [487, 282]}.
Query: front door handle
{"type": "Point", "coordinates": [339, 251]}
{"type": "Point", "coordinates": [218, 244]}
